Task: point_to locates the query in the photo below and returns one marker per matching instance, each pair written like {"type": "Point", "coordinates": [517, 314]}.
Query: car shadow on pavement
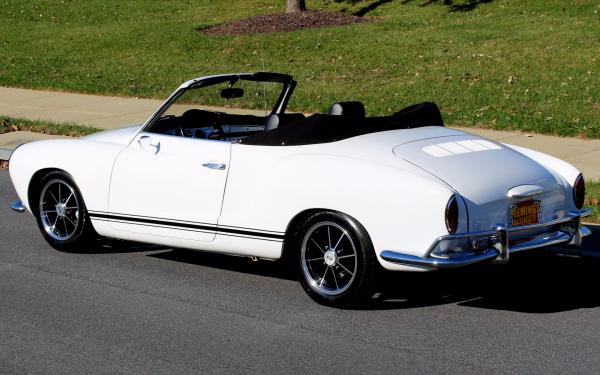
{"type": "Point", "coordinates": [114, 246]}
{"type": "Point", "coordinates": [241, 264]}
{"type": "Point", "coordinates": [530, 284]}
{"type": "Point", "coordinates": [538, 282]}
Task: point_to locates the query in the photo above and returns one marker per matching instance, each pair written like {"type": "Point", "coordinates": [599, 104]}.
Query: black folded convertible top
{"type": "Point", "coordinates": [322, 128]}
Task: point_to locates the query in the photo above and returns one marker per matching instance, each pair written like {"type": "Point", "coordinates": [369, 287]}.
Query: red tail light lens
{"type": "Point", "coordinates": [452, 215]}
{"type": "Point", "coordinates": [579, 191]}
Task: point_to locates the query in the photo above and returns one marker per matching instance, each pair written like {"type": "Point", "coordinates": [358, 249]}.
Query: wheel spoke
{"type": "Point", "coordinates": [335, 279]}
{"type": "Point", "coordinates": [340, 240]}
{"type": "Point", "coordinates": [323, 278]}
{"type": "Point", "coordinates": [329, 235]}
{"type": "Point", "coordinates": [67, 201]}
{"type": "Point", "coordinates": [53, 197]}
{"type": "Point", "coordinates": [345, 269]}
{"type": "Point", "coordinates": [313, 259]}
{"type": "Point", "coordinates": [46, 212]}
{"type": "Point", "coordinates": [315, 242]}
{"type": "Point", "coordinates": [347, 256]}
{"type": "Point", "coordinates": [70, 221]}
{"type": "Point", "coordinates": [55, 221]}
{"type": "Point", "coordinates": [59, 193]}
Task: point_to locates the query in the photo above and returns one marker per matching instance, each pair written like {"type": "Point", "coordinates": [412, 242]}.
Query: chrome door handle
{"type": "Point", "coordinates": [219, 166]}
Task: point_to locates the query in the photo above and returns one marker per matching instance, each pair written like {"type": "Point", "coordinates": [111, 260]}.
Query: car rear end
{"type": "Point", "coordinates": [512, 202]}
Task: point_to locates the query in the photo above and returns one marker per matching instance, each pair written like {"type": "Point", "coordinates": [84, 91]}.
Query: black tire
{"type": "Point", "coordinates": [61, 213]}
{"type": "Point", "coordinates": [336, 260]}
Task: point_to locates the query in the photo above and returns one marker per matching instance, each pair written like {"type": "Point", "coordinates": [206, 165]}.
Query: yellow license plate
{"type": "Point", "coordinates": [525, 213]}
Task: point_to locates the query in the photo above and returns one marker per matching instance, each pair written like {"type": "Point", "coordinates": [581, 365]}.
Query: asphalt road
{"type": "Point", "coordinates": [136, 310]}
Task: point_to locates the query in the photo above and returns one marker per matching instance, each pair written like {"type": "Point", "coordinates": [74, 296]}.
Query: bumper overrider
{"type": "Point", "coordinates": [457, 250]}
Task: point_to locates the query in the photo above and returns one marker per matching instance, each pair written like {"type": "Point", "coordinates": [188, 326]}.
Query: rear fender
{"type": "Point", "coordinates": [399, 209]}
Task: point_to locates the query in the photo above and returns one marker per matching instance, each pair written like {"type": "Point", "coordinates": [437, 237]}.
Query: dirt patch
{"type": "Point", "coordinates": [3, 164]}
{"type": "Point", "coordinates": [282, 22]}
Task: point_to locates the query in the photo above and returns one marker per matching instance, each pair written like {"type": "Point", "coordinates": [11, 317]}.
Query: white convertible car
{"type": "Point", "coordinates": [340, 194]}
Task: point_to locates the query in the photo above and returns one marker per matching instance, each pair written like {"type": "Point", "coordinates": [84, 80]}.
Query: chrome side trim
{"type": "Point", "coordinates": [17, 206]}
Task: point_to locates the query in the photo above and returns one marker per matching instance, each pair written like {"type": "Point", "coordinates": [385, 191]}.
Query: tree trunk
{"type": "Point", "coordinates": [292, 6]}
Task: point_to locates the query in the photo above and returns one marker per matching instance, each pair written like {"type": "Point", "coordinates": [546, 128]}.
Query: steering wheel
{"type": "Point", "coordinates": [179, 127]}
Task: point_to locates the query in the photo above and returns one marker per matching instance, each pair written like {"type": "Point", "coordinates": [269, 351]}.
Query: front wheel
{"type": "Point", "coordinates": [61, 214]}
{"type": "Point", "coordinates": [337, 260]}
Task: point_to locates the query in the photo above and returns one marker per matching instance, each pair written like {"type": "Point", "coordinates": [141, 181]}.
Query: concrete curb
{"type": "Point", "coordinates": [5, 153]}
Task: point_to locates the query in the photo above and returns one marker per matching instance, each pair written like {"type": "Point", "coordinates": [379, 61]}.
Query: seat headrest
{"type": "Point", "coordinates": [352, 109]}
{"type": "Point", "coordinates": [422, 114]}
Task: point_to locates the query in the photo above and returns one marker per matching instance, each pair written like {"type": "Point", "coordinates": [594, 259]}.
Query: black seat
{"type": "Point", "coordinates": [422, 114]}
{"type": "Point", "coordinates": [275, 121]}
{"type": "Point", "coordinates": [351, 109]}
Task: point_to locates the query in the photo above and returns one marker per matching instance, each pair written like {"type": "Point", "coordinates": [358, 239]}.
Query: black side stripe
{"type": "Point", "coordinates": [203, 227]}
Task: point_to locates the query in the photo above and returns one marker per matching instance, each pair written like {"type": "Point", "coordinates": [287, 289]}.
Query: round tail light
{"type": "Point", "coordinates": [579, 191]}
{"type": "Point", "coordinates": [452, 215]}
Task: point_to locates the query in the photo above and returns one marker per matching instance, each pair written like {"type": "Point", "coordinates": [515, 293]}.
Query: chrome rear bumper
{"type": "Point", "coordinates": [495, 245]}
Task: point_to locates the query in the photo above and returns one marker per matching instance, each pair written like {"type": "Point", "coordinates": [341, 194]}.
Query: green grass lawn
{"type": "Point", "coordinates": [9, 124]}
{"type": "Point", "coordinates": [592, 193]}
{"type": "Point", "coordinates": [531, 65]}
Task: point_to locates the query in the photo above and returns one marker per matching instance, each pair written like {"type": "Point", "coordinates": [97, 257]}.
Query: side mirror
{"type": "Point", "coordinates": [232, 93]}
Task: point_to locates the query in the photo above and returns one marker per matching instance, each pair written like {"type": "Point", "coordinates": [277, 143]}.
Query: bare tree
{"type": "Point", "coordinates": [292, 6]}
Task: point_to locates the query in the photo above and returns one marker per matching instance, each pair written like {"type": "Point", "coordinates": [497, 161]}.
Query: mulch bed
{"type": "Point", "coordinates": [282, 22]}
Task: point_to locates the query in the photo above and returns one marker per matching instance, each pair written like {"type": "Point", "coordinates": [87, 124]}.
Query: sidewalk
{"type": "Point", "coordinates": [106, 112]}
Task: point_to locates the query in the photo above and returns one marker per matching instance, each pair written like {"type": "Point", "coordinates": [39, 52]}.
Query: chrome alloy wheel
{"type": "Point", "coordinates": [59, 210]}
{"type": "Point", "coordinates": [329, 258]}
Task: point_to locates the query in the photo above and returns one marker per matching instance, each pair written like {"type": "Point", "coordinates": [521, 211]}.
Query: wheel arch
{"type": "Point", "coordinates": [87, 163]}
{"type": "Point", "coordinates": [291, 232]}
{"type": "Point", "coordinates": [33, 187]}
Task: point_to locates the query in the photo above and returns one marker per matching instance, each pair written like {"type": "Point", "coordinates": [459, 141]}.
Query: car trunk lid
{"type": "Point", "coordinates": [483, 172]}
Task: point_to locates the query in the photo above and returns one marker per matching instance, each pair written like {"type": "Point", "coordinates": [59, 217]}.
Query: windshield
{"type": "Point", "coordinates": [241, 97]}
{"type": "Point", "coordinates": [228, 109]}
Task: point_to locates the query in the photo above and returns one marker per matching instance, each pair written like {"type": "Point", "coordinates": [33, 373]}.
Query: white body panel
{"type": "Point", "coordinates": [285, 181]}
{"type": "Point", "coordinates": [483, 172]}
{"type": "Point", "coordinates": [120, 136]}
{"type": "Point", "coordinates": [89, 163]}
{"type": "Point", "coordinates": [252, 201]}
{"type": "Point", "coordinates": [168, 181]}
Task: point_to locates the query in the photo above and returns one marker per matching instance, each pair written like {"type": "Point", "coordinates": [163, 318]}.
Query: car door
{"type": "Point", "coordinates": [169, 186]}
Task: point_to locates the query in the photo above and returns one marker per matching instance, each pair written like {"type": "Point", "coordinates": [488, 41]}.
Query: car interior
{"type": "Point", "coordinates": [206, 124]}
{"type": "Point", "coordinates": [226, 121]}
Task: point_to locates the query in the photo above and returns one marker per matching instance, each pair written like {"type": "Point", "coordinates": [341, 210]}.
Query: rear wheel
{"type": "Point", "coordinates": [61, 214]}
{"type": "Point", "coordinates": [337, 261]}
